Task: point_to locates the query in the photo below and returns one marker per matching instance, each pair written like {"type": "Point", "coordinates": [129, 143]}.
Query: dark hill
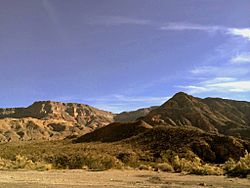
{"type": "Point", "coordinates": [159, 140]}
{"type": "Point", "coordinates": [115, 132]}
{"type": "Point", "coordinates": [209, 147]}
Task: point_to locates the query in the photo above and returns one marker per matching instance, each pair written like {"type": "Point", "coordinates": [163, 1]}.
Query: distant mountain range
{"type": "Point", "coordinates": [55, 120]}
{"type": "Point", "coordinates": [50, 120]}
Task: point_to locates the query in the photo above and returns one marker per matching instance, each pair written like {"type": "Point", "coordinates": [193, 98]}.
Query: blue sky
{"type": "Point", "coordinates": [122, 55]}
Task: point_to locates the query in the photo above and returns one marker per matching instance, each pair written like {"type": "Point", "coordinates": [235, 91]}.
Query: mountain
{"type": "Point", "coordinates": [184, 125]}
{"type": "Point", "coordinates": [187, 125]}
{"type": "Point", "coordinates": [55, 120]}
{"type": "Point", "coordinates": [133, 115]}
{"type": "Point", "coordinates": [50, 120]}
{"type": "Point", "coordinates": [72, 112]}
{"type": "Point", "coordinates": [215, 115]}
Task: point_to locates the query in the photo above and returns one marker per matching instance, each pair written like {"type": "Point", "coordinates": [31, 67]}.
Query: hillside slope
{"type": "Point", "coordinates": [72, 112]}
{"type": "Point", "coordinates": [187, 142]}
{"type": "Point", "coordinates": [210, 114]}
{"type": "Point", "coordinates": [133, 115]}
{"type": "Point", "coordinates": [115, 132]}
{"type": "Point", "coordinates": [163, 140]}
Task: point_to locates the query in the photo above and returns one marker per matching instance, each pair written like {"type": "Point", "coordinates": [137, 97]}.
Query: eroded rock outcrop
{"type": "Point", "coordinates": [50, 120]}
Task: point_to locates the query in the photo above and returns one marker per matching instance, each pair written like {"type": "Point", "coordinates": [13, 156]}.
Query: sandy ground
{"type": "Point", "coordinates": [113, 178]}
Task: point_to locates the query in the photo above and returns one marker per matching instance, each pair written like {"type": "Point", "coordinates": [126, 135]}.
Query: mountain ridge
{"type": "Point", "coordinates": [50, 120]}
{"type": "Point", "coordinates": [216, 115]}
{"type": "Point", "coordinates": [59, 119]}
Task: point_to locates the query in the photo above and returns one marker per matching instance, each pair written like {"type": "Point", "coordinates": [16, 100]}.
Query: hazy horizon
{"type": "Point", "coordinates": [123, 55]}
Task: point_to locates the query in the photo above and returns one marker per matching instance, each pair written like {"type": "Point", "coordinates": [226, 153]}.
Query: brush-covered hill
{"type": "Point", "coordinates": [50, 120]}
{"type": "Point", "coordinates": [115, 132]}
{"type": "Point", "coordinates": [189, 142]}
{"type": "Point", "coordinates": [159, 141]}
{"type": "Point", "coordinates": [216, 115]}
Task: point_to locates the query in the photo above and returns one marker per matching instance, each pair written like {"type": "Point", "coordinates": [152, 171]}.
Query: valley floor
{"type": "Point", "coordinates": [113, 178]}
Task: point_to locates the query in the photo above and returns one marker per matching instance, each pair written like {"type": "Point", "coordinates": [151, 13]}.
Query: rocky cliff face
{"type": "Point", "coordinates": [71, 112]}
{"type": "Point", "coordinates": [210, 114]}
{"type": "Point", "coordinates": [50, 120]}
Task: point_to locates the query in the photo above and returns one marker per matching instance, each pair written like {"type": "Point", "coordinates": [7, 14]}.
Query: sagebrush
{"type": "Point", "coordinates": [240, 168]}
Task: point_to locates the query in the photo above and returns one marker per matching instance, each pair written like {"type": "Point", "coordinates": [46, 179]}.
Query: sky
{"type": "Point", "coordinates": [122, 55]}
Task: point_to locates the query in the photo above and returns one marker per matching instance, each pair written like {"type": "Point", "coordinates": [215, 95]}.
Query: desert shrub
{"type": "Point", "coordinates": [102, 162]}
{"type": "Point", "coordinates": [91, 161]}
{"type": "Point", "coordinates": [165, 167]}
{"type": "Point", "coordinates": [128, 158]}
{"type": "Point", "coordinates": [144, 167]}
{"type": "Point", "coordinates": [195, 167]}
{"type": "Point", "coordinates": [65, 161]}
{"type": "Point", "coordinates": [22, 162]}
{"type": "Point", "coordinates": [238, 169]}
{"type": "Point", "coordinates": [5, 164]}
{"type": "Point", "coordinates": [229, 165]}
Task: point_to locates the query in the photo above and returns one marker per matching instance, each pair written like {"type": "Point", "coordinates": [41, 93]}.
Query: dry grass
{"type": "Point", "coordinates": [181, 165]}
{"type": "Point", "coordinates": [165, 167]}
{"type": "Point", "coordinates": [22, 162]}
{"type": "Point", "coordinates": [43, 155]}
{"type": "Point", "coordinates": [87, 161]}
{"type": "Point", "coordinates": [195, 167]}
{"type": "Point", "coordinates": [65, 155]}
{"type": "Point", "coordinates": [240, 168]}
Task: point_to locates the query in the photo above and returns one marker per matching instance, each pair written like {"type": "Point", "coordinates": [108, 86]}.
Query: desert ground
{"type": "Point", "coordinates": [113, 178]}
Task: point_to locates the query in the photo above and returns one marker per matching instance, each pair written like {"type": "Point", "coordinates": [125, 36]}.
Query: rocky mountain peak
{"type": "Point", "coordinates": [181, 100]}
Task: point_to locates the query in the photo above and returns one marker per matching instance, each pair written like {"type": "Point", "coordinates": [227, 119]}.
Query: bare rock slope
{"type": "Point", "coordinates": [50, 120]}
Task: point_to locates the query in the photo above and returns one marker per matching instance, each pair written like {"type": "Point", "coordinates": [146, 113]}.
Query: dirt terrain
{"type": "Point", "coordinates": [113, 178]}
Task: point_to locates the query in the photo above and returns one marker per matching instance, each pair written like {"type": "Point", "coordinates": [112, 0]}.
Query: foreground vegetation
{"type": "Point", "coordinates": [240, 168]}
{"type": "Point", "coordinates": [45, 155]}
